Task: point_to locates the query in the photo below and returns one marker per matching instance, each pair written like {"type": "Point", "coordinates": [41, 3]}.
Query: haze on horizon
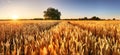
{"type": "Point", "coordinates": [106, 9]}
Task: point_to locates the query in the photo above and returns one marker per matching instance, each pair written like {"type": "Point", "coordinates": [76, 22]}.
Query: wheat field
{"type": "Point", "coordinates": [59, 37]}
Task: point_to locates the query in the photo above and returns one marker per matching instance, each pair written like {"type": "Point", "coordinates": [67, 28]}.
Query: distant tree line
{"type": "Point", "coordinates": [85, 18]}
{"type": "Point", "coordinates": [92, 18]}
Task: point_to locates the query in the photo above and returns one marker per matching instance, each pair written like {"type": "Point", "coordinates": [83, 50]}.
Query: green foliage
{"type": "Point", "coordinates": [95, 18]}
{"type": "Point", "coordinates": [52, 14]}
{"type": "Point", "coordinates": [85, 18]}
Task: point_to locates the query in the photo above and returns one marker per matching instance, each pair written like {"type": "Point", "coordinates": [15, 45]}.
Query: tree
{"type": "Point", "coordinates": [85, 18]}
{"type": "Point", "coordinates": [113, 18]}
{"type": "Point", "coordinates": [95, 18]}
{"type": "Point", "coordinates": [52, 14]}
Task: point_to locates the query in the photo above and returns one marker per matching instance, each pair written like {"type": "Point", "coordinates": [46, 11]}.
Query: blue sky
{"type": "Point", "coordinates": [69, 8]}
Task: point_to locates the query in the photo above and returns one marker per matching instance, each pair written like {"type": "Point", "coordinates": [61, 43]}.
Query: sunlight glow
{"type": "Point", "coordinates": [15, 17]}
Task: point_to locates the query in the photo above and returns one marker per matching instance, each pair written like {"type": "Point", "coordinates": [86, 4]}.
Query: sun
{"type": "Point", "coordinates": [15, 17]}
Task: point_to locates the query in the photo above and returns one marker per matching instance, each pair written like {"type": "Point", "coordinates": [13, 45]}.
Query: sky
{"type": "Point", "coordinates": [106, 9]}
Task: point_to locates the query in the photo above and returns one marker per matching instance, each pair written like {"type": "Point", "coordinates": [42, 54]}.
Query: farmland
{"type": "Point", "coordinates": [59, 37]}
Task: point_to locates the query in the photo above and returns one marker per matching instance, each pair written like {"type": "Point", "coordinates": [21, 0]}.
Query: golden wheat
{"type": "Point", "coordinates": [60, 38]}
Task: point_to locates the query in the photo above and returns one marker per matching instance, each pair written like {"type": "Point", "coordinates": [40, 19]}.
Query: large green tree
{"type": "Point", "coordinates": [52, 14]}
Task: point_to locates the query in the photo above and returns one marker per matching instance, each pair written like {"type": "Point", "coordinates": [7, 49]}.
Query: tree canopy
{"type": "Point", "coordinates": [52, 14]}
{"type": "Point", "coordinates": [95, 18]}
